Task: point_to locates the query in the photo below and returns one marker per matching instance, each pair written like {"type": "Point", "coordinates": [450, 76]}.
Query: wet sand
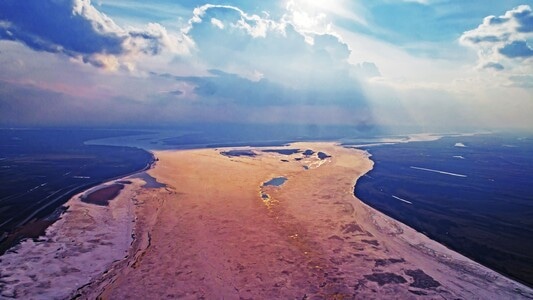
{"type": "Point", "coordinates": [216, 232]}
{"type": "Point", "coordinates": [103, 195]}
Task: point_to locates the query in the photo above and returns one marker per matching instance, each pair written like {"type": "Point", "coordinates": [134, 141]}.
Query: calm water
{"type": "Point", "coordinates": [277, 181]}
{"type": "Point", "coordinates": [473, 194]}
{"type": "Point", "coordinates": [41, 169]}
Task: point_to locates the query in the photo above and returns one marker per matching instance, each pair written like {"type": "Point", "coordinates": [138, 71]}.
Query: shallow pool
{"type": "Point", "coordinates": [277, 181]}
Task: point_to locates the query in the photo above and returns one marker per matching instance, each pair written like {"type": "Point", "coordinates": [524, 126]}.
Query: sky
{"type": "Point", "coordinates": [434, 65]}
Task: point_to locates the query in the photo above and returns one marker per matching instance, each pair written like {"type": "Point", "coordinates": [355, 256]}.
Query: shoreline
{"type": "Point", "coordinates": [369, 230]}
{"type": "Point", "coordinates": [33, 227]}
{"type": "Point", "coordinates": [431, 250]}
{"type": "Point", "coordinates": [483, 217]}
{"type": "Point", "coordinates": [85, 241]}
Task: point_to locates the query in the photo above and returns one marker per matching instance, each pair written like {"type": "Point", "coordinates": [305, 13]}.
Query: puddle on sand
{"type": "Point", "coordinates": [277, 181]}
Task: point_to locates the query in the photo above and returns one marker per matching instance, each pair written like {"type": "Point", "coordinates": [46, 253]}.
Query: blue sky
{"type": "Point", "coordinates": [429, 64]}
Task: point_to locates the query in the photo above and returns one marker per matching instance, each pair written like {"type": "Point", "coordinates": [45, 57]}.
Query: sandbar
{"type": "Point", "coordinates": [216, 232]}
{"type": "Point", "coordinates": [211, 229]}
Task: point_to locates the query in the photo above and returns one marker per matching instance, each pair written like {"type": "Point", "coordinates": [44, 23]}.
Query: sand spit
{"type": "Point", "coordinates": [216, 232]}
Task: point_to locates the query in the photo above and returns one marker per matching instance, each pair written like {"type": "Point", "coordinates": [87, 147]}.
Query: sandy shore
{"type": "Point", "coordinates": [215, 232]}
{"type": "Point", "coordinates": [87, 240]}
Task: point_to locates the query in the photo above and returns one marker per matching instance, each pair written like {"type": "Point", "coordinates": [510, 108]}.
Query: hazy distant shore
{"type": "Point", "coordinates": [215, 231]}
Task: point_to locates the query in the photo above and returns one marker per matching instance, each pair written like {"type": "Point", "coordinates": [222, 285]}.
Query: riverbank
{"type": "Point", "coordinates": [474, 198]}
{"type": "Point", "coordinates": [216, 231]}
{"type": "Point", "coordinates": [41, 169]}
{"type": "Point", "coordinates": [87, 240]}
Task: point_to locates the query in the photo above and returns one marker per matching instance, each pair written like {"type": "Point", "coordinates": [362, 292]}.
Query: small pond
{"type": "Point", "coordinates": [277, 181]}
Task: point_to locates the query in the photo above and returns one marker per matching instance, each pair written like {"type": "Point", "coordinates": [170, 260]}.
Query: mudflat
{"type": "Point", "coordinates": [215, 231]}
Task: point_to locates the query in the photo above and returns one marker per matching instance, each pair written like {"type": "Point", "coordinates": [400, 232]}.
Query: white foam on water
{"type": "Point", "coordinates": [403, 200]}
{"type": "Point", "coordinates": [440, 172]}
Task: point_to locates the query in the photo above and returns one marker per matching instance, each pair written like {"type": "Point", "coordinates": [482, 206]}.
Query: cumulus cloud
{"type": "Point", "coordinates": [77, 29]}
{"type": "Point", "coordinates": [251, 67]}
{"type": "Point", "coordinates": [502, 45]}
{"type": "Point", "coordinates": [218, 15]}
{"type": "Point", "coordinates": [229, 39]}
{"type": "Point", "coordinates": [503, 37]}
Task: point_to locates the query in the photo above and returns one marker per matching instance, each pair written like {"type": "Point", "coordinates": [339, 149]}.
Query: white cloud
{"type": "Point", "coordinates": [254, 25]}
{"type": "Point", "coordinates": [502, 46]}
{"type": "Point", "coordinates": [504, 38]}
{"type": "Point", "coordinates": [216, 22]}
{"type": "Point", "coordinates": [78, 30]}
{"type": "Point", "coordinates": [294, 65]}
{"type": "Point", "coordinates": [276, 49]}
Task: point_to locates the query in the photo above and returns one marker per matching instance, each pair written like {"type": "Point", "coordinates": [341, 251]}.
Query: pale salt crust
{"type": "Point", "coordinates": [76, 249]}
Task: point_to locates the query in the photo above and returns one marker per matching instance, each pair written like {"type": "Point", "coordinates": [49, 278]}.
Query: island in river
{"type": "Point", "coordinates": [213, 229]}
